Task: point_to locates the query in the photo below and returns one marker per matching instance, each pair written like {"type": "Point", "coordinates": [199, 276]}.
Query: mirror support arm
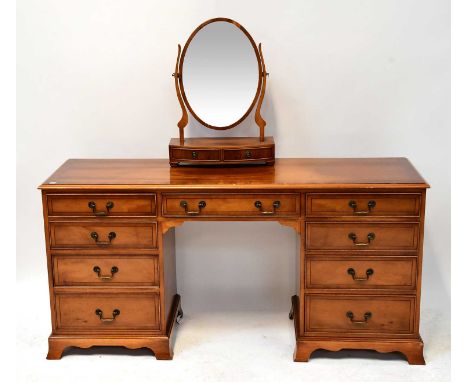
{"type": "Point", "coordinates": [184, 119]}
{"type": "Point", "coordinates": [258, 118]}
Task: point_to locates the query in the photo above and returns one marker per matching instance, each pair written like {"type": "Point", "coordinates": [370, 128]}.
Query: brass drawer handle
{"type": "Point", "coordinates": [115, 313]}
{"type": "Point", "coordinates": [352, 272]}
{"type": "Point", "coordinates": [367, 316]}
{"type": "Point", "coordinates": [111, 236]}
{"type": "Point", "coordinates": [194, 155]}
{"type": "Point", "coordinates": [370, 236]}
{"type": "Point", "coordinates": [248, 154]}
{"type": "Point", "coordinates": [371, 204]}
{"type": "Point", "coordinates": [276, 205]}
{"type": "Point", "coordinates": [201, 205]}
{"type": "Point", "coordinates": [97, 269]}
{"type": "Point", "coordinates": [109, 206]}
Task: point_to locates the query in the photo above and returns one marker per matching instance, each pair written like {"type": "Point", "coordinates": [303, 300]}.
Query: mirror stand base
{"type": "Point", "coordinates": [226, 151]}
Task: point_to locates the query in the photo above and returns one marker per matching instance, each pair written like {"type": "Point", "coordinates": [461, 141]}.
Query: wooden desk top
{"type": "Point", "coordinates": [287, 173]}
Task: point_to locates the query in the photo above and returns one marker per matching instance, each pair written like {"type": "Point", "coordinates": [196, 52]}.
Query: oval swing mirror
{"type": "Point", "coordinates": [220, 73]}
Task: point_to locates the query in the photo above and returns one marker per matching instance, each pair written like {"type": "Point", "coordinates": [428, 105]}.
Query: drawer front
{"type": "Point", "coordinates": [107, 312]}
{"type": "Point", "coordinates": [359, 315]}
{"type": "Point", "coordinates": [362, 273]}
{"type": "Point", "coordinates": [256, 205]}
{"type": "Point", "coordinates": [362, 236]}
{"type": "Point", "coordinates": [106, 270]}
{"type": "Point", "coordinates": [252, 154]}
{"type": "Point", "coordinates": [196, 154]}
{"type": "Point", "coordinates": [338, 204]}
{"type": "Point", "coordinates": [103, 236]}
{"type": "Point", "coordinates": [101, 205]}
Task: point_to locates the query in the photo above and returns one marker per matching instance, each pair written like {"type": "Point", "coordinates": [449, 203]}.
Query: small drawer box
{"type": "Point", "coordinates": [202, 155]}
{"type": "Point", "coordinates": [248, 154]}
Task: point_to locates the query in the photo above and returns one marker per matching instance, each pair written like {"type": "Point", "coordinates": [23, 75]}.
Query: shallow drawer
{"type": "Point", "coordinates": [362, 273]}
{"type": "Point", "coordinates": [89, 235]}
{"type": "Point", "coordinates": [106, 270]}
{"type": "Point", "coordinates": [196, 154]}
{"type": "Point", "coordinates": [101, 205]}
{"type": "Point", "coordinates": [357, 314]}
{"type": "Point", "coordinates": [252, 154]}
{"type": "Point", "coordinates": [108, 311]}
{"type": "Point", "coordinates": [362, 236]}
{"type": "Point", "coordinates": [261, 205]}
{"type": "Point", "coordinates": [338, 204]}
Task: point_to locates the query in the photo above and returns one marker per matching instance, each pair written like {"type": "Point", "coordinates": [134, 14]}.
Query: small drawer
{"type": "Point", "coordinates": [101, 205]}
{"type": "Point", "coordinates": [359, 315]}
{"type": "Point", "coordinates": [102, 236]}
{"type": "Point", "coordinates": [255, 205]}
{"type": "Point", "coordinates": [107, 311]}
{"type": "Point", "coordinates": [362, 236]}
{"type": "Point", "coordinates": [361, 273]}
{"type": "Point", "coordinates": [106, 270]}
{"type": "Point", "coordinates": [248, 154]}
{"type": "Point", "coordinates": [362, 205]}
{"type": "Point", "coordinates": [195, 154]}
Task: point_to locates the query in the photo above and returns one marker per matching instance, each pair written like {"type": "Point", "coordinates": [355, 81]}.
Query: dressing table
{"type": "Point", "coordinates": [111, 252]}
{"type": "Point", "coordinates": [110, 224]}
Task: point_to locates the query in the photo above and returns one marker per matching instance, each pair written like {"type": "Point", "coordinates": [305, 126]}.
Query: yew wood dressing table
{"type": "Point", "coordinates": [109, 227]}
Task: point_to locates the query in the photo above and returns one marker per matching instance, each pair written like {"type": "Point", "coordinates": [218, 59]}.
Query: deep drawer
{"type": "Point", "coordinates": [361, 273]}
{"type": "Point", "coordinates": [107, 312]}
{"type": "Point", "coordinates": [359, 315]}
{"type": "Point", "coordinates": [255, 205]}
{"type": "Point", "coordinates": [102, 236]}
{"type": "Point", "coordinates": [101, 205]}
{"type": "Point", "coordinates": [106, 270]}
{"type": "Point", "coordinates": [362, 236]}
{"type": "Point", "coordinates": [362, 205]}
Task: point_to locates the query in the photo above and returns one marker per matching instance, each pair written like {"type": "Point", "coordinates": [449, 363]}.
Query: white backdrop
{"type": "Point", "coordinates": [348, 78]}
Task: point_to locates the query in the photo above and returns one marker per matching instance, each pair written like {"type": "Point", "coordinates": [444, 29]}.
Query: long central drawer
{"type": "Point", "coordinates": [252, 205]}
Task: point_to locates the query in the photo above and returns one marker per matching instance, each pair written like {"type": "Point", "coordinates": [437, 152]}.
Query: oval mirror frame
{"type": "Point", "coordinates": [259, 65]}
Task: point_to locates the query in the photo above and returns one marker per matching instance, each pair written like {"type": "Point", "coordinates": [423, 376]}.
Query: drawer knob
{"type": "Point", "coordinates": [99, 313]}
{"type": "Point", "coordinates": [201, 205]}
{"type": "Point", "coordinates": [370, 236]}
{"type": "Point", "coordinates": [111, 236]}
{"type": "Point", "coordinates": [276, 205]}
{"type": "Point", "coordinates": [97, 270]}
{"type": "Point", "coordinates": [194, 155]}
{"type": "Point", "coordinates": [367, 316]}
{"type": "Point", "coordinates": [371, 204]}
{"type": "Point", "coordinates": [248, 154]}
{"type": "Point", "coordinates": [109, 206]}
{"type": "Point", "coordinates": [352, 272]}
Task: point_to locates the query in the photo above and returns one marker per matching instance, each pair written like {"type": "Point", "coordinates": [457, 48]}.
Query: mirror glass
{"type": "Point", "coordinates": [220, 70]}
